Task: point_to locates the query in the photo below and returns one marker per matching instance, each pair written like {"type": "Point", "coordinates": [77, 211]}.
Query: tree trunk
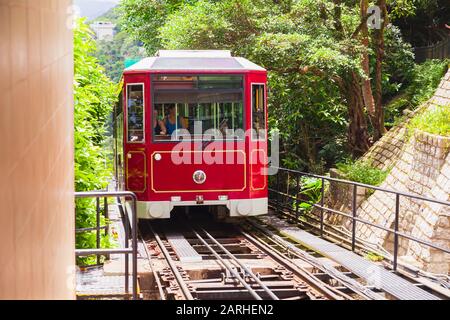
{"type": "Point", "coordinates": [308, 147]}
{"type": "Point", "coordinates": [378, 125]}
{"type": "Point", "coordinates": [366, 85]}
{"type": "Point", "coordinates": [358, 135]}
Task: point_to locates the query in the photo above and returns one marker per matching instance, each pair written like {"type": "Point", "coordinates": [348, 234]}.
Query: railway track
{"type": "Point", "coordinates": [242, 261]}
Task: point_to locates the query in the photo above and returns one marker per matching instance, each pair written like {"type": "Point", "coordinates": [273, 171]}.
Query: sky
{"type": "Point", "coordinates": [94, 8]}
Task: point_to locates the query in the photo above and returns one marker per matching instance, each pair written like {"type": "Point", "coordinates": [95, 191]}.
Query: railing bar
{"type": "Point", "coordinates": [405, 194]}
{"type": "Point", "coordinates": [79, 230]}
{"type": "Point", "coordinates": [89, 252]}
{"type": "Point", "coordinates": [401, 234]}
{"type": "Point", "coordinates": [126, 194]}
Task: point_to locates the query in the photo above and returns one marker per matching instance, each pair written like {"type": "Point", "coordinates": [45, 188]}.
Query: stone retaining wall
{"type": "Point", "coordinates": [420, 165]}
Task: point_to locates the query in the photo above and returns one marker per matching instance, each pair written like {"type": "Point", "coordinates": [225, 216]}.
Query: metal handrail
{"type": "Point", "coordinates": [359, 184]}
{"type": "Point", "coordinates": [126, 250]}
{"type": "Point", "coordinates": [353, 216]}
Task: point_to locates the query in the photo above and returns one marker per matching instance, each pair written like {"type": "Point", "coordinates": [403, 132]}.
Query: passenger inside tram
{"type": "Point", "coordinates": [158, 125]}
{"type": "Point", "coordinates": [172, 121]}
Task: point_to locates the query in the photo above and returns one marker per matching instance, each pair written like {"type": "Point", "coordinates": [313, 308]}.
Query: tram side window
{"type": "Point", "coordinates": [258, 112]}
{"type": "Point", "coordinates": [135, 113]}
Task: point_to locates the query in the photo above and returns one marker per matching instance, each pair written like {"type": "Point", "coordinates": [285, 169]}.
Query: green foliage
{"type": "Point", "coordinates": [398, 65]}
{"type": "Point", "coordinates": [143, 18]}
{"type": "Point", "coordinates": [111, 55]}
{"type": "Point", "coordinates": [94, 95]}
{"type": "Point", "coordinates": [284, 37]}
{"type": "Point", "coordinates": [363, 172]}
{"type": "Point", "coordinates": [422, 21]}
{"type": "Point", "coordinates": [372, 256]}
{"type": "Point", "coordinates": [308, 48]}
{"type": "Point", "coordinates": [311, 189]}
{"type": "Point", "coordinates": [420, 87]}
{"type": "Point", "coordinates": [435, 121]}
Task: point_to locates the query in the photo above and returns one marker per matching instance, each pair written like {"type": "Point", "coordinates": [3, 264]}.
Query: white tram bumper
{"type": "Point", "coordinates": [237, 207]}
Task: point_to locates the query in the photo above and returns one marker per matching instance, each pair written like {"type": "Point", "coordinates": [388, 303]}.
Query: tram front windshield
{"type": "Point", "coordinates": [201, 107]}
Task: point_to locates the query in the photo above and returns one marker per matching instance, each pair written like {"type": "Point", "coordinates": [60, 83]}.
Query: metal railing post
{"type": "Point", "coordinates": [355, 189]}
{"type": "Point", "coordinates": [127, 260]}
{"type": "Point", "coordinates": [97, 225]}
{"type": "Point", "coordinates": [134, 237]}
{"type": "Point", "coordinates": [297, 198]}
{"type": "Point", "coordinates": [322, 196]}
{"type": "Point", "coordinates": [397, 210]}
{"type": "Point", "coordinates": [278, 193]}
{"type": "Point", "coordinates": [355, 219]}
{"type": "Point", "coordinates": [106, 214]}
{"type": "Point", "coordinates": [127, 224]}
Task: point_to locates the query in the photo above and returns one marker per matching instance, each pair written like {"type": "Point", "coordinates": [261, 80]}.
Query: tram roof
{"type": "Point", "coordinates": [194, 60]}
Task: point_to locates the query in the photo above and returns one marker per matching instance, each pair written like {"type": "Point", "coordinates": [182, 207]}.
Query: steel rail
{"type": "Point", "coordinates": [157, 280]}
{"type": "Point", "coordinates": [310, 279]}
{"type": "Point", "coordinates": [350, 283]}
{"type": "Point", "coordinates": [228, 267]}
{"type": "Point", "coordinates": [229, 254]}
{"type": "Point", "coordinates": [186, 292]}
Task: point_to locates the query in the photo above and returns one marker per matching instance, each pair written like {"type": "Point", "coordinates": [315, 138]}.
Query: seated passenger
{"type": "Point", "coordinates": [172, 122]}
{"type": "Point", "coordinates": [159, 128]}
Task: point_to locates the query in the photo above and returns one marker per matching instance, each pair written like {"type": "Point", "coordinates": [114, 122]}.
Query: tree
{"type": "Point", "coordinates": [316, 51]}
{"type": "Point", "coordinates": [112, 55]}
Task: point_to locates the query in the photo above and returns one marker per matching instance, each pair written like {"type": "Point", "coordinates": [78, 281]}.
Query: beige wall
{"type": "Point", "coordinates": [36, 150]}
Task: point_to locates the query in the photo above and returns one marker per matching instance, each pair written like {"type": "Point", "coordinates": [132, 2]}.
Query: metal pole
{"type": "Point", "coordinates": [106, 214]}
{"type": "Point", "coordinates": [134, 236]}
{"type": "Point", "coordinates": [97, 220]}
{"type": "Point", "coordinates": [127, 260]}
{"type": "Point", "coordinates": [278, 192]}
{"type": "Point", "coordinates": [322, 192]}
{"type": "Point", "coordinates": [355, 188]}
{"type": "Point", "coordinates": [297, 198]}
{"type": "Point", "coordinates": [397, 210]}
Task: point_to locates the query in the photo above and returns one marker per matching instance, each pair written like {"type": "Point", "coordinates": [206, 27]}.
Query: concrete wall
{"type": "Point", "coordinates": [36, 150]}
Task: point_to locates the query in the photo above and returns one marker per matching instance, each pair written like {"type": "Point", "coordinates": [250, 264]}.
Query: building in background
{"type": "Point", "coordinates": [104, 30]}
{"type": "Point", "coordinates": [37, 245]}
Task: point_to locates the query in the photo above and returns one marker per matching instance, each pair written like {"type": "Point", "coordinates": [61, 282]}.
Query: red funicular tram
{"type": "Point", "coordinates": [190, 129]}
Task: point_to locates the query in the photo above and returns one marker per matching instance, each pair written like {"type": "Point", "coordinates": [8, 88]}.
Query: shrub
{"type": "Point", "coordinates": [434, 121]}
{"type": "Point", "coordinates": [94, 95]}
{"type": "Point", "coordinates": [363, 172]}
{"type": "Point", "coordinates": [424, 81]}
{"type": "Point", "coordinates": [311, 189]}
